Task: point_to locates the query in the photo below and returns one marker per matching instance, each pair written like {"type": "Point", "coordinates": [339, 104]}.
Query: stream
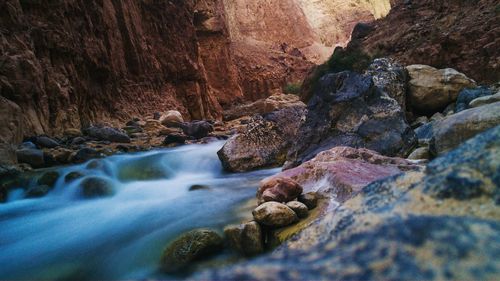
{"type": "Point", "coordinates": [65, 236]}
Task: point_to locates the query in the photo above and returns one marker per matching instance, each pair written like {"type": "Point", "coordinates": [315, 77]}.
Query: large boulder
{"type": "Point", "coordinates": [263, 106]}
{"type": "Point", "coordinates": [105, 133]}
{"type": "Point", "coordinates": [33, 157]}
{"type": "Point", "coordinates": [390, 77]}
{"type": "Point", "coordinates": [171, 118]}
{"type": "Point", "coordinates": [264, 142]}
{"type": "Point", "coordinates": [455, 129]}
{"type": "Point", "coordinates": [348, 110]}
{"type": "Point", "coordinates": [431, 89]}
{"type": "Point", "coordinates": [278, 189]}
{"type": "Point", "coordinates": [441, 224]}
{"type": "Point", "coordinates": [274, 214]}
{"type": "Point", "coordinates": [188, 247]}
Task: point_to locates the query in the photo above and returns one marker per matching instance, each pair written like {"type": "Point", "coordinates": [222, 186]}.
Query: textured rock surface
{"type": "Point", "coordinates": [438, 224]}
{"type": "Point", "coordinates": [455, 129]}
{"type": "Point", "coordinates": [264, 142]}
{"type": "Point", "coordinates": [466, 96]}
{"type": "Point", "coordinates": [246, 238]}
{"type": "Point", "coordinates": [431, 89]}
{"type": "Point", "coordinates": [278, 189]}
{"type": "Point", "coordinates": [485, 100]}
{"type": "Point", "coordinates": [348, 110]}
{"type": "Point", "coordinates": [274, 214]}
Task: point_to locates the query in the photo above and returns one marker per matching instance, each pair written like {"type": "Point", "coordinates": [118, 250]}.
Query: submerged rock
{"type": "Point", "coordinates": [143, 169]}
{"type": "Point", "coordinates": [274, 214]}
{"type": "Point", "coordinates": [189, 247]}
{"type": "Point", "coordinates": [278, 189]}
{"type": "Point", "coordinates": [96, 187]}
{"type": "Point", "coordinates": [71, 176]}
{"type": "Point", "coordinates": [439, 224]}
{"type": "Point", "coordinates": [246, 238]}
{"type": "Point", "coordinates": [348, 110]}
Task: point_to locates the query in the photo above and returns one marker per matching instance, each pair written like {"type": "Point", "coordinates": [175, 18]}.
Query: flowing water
{"type": "Point", "coordinates": [64, 235]}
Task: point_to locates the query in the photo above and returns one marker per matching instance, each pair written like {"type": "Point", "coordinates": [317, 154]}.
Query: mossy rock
{"type": "Point", "coordinates": [189, 247]}
{"type": "Point", "coordinates": [96, 187]}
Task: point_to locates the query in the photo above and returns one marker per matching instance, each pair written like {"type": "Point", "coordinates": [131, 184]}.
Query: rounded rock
{"type": "Point", "coordinates": [274, 214]}
{"type": "Point", "coordinates": [299, 208]}
{"type": "Point", "coordinates": [96, 187]}
{"type": "Point", "coordinates": [278, 189]}
{"type": "Point", "coordinates": [309, 199]}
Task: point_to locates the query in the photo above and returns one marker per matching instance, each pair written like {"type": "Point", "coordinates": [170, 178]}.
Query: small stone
{"type": "Point", "coordinates": [309, 199]}
{"type": "Point", "coordinates": [188, 247]}
{"type": "Point", "coordinates": [96, 187]}
{"type": "Point", "coordinates": [49, 178]}
{"type": "Point", "coordinates": [274, 214]}
{"type": "Point", "coordinates": [299, 208]}
{"type": "Point", "coordinates": [198, 187]}
{"type": "Point", "coordinates": [278, 189]}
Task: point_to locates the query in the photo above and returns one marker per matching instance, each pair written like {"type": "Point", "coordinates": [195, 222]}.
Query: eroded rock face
{"type": "Point", "coordinates": [439, 224]}
{"type": "Point", "coordinates": [348, 110]}
{"type": "Point", "coordinates": [431, 89]}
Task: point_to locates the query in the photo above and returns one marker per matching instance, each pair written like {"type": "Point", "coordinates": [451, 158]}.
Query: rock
{"type": "Point", "coordinates": [197, 129]}
{"type": "Point", "coordinates": [96, 187]}
{"type": "Point", "coordinates": [455, 129]}
{"type": "Point", "coordinates": [45, 142]}
{"type": "Point", "coordinates": [263, 106]}
{"type": "Point", "coordinates": [37, 191]}
{"type": "Point", "coordinates": [105, 133]}
{"type": "Point", "coordinates": [468, 95]}
{"type": "Point", "coordinates": [11, 125]}
{"type": "Point", "coordinates": [72, 176]}
{"type": "Point", "coordinates": [60, 155]}
{"type": "Point", "coordinates": [420, 153]}
{"type": "Point", "coordinates": [420, 121]}
{"type": "Point", "coordinates": [49, 178]}
{"type": "Point", "coordinates": [348, 110]}
{"type": "Point", "coordinates": [274, 214]}
{"type": "Point", "coordinates": [309, 199]}
{"type": "Point", "coordinates": [391, 78]}
{"type": "Point", "coordinates": [431, 89]}
{"type": "Point", "coordinates": [171, 118]}
{"type": "Point", "coordinates": [189, 247]}
{"type": "Point", "coordinates": [341, 172]}
{"type": "Point", "coordinates": [85, 154]}
{"type": "Point", "coordinates": [299, 208]}
{"type": "Point", "coordinates": [33, 157]}
{"type": "Point", "coordinates": [278, 189]}
{"type": "Point", "coordinates": [485, 100]}
{"type": "Point", "coordinates": [247, 238]}
{"type": "Point", "coordinates": [175, 138]}
{"type": "Point", "coordinates": [167, 131]}
{"type": "Point", "coordinates": [130, 130]}
{"type": "Point", "coordinates": [72, 133]}
{"type": "Point", "coordinates": [439, 224]}
{"type": "Point", "coordinates": [27, 145]}
{"type": "Point", "coordinates": [264, 142]}
{"type": "Point", "coordinates": [424, 133]}
{"type": "Point", "coordinates": [437, 116]}
{"type": "Point", "coordinates": [78, 141]}
{"type": "Point", "coordinates": [198, 187]}
{"type": "Point", "coordinates": [146, 168]}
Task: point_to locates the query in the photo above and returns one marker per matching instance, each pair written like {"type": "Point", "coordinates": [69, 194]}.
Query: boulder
{"type": "Point", "coordinates": [197, 129]}
{"type": "Point", "coordinates": [96, 187]}
{"type": "Point", "coordinates": [431, 89]}
{"type": "Point", "coordinates": [391, 78]}
{"type": "Point", "coordinates": [348, 110]}
{"type": "Point", "coordinates": [72, 176]}
{"type": "Point", "coordinates": [78, 141]}
{"type": "Point", "coordinates": [310, 199]}
{"type": "Point", "coordinates": [37, 191]}
{"type": "Point", "coordinates": [105, 133]}
{"type": "Point", "coordinates": [33, 157]}
{"type": "Point", "coordinates": [264, 142]}
{"type": "Point", "coordinates": [86, 154]}
{"type": "Point", "coordinates": [342, 171]}
{"type": "Point", "coordinates": [175, 138]}
{"type": "Point", "coordinates": [485, 100]}
{"type": "Point", "coordinates": [278, 189]}
{"type": "Point", "coordinates": [171, 118]}
{"type": "Point", "coordinates": [247, 238]}
{"type": "Point", "coordinates": [72, 133]}
{"type": "Point", "coordinates": [274, 214]}
{"type": "Point", "coordinates": [45, 142]}
{"type": "Point", "coordinates": [455, 129]}
{"type": "Point", "coordinates": [48, 178]}
{"type": "Point", "coordinates": [299, 208]}
{"type": "Point", "coordinates": [468, 95]}
{"type": "Point", "coordinates": [439, 224]}
{"type": "Point", "coordinates": [188, 247]}
{"type": "Point", "coordinates": [263, 106]}
{"type": "Point", "coordinates": [60, 155]}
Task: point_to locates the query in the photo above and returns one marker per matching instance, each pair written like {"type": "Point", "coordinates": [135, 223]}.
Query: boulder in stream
{"type": "Point", "coordinates": [274, 214]}
{"type": "Point", "coordinates": [96, 187]}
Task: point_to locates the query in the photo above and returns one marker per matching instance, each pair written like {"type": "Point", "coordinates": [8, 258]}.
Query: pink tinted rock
{"type": "Point", "coordinates": [278, 189]}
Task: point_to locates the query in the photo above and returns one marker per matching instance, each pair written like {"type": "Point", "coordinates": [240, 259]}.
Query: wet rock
{"type": "Point", "coordinates": [175, 138]}
{"type": "Point", "coordinates": [37, 191]}
{"type": "Point", "coordinates": [455, 129]}
{"type": "Point", "coordinates": [310, 199]}
{"type": "Point", "coordinates": [171, 118]}
{"type": "Point", "coordinates": [468, 95]}
{"type": "Point", "coordinates": [198, 187]}
{"type": "Point", "coordinates": [391, 78]}
{"type": "Point", "coordinates": [264, 142]}
{"type": "Point", "coordinates": [33, 157]}
{"type": "Point", "coordinates": [143, 169]}
{"type": "Point", "coordinates": [348, 110]}
{"type": "Point", "coordinates": [420, 153]}
{"type": "Point", "coordinates": [431, 89]}
{"type": "Point", "coordinates": [428, 225]}
{"type": "Point", "coordinates": [105, 133]}
{"type": "Point", "coordinates": [274, 214]}
{"type": "Point", "coordinates": [299, 208]}
{"type": "Point", "coordinates": [45, 142]}
{"type": "Point", "coordinates": [96, 187]}
{"type": "Point", "coordinates": [189, 247]}
{"type": "Point", "coordinates": [343, 171]}
{"type": "Point", "coordinates": [247, 238]}
{"type": "Point", "coordinates": [72, 176]}
{"type": "Point", "coordinates": [485, 100]}
{"type": "Point", "coordinates": [86, 154]}
{"type": "Point", "coordinates": [197, 129]}
{"type": "Point", "coordinates": [278, 189]}
{"type": "Point", "coordinates": [49, 178]}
